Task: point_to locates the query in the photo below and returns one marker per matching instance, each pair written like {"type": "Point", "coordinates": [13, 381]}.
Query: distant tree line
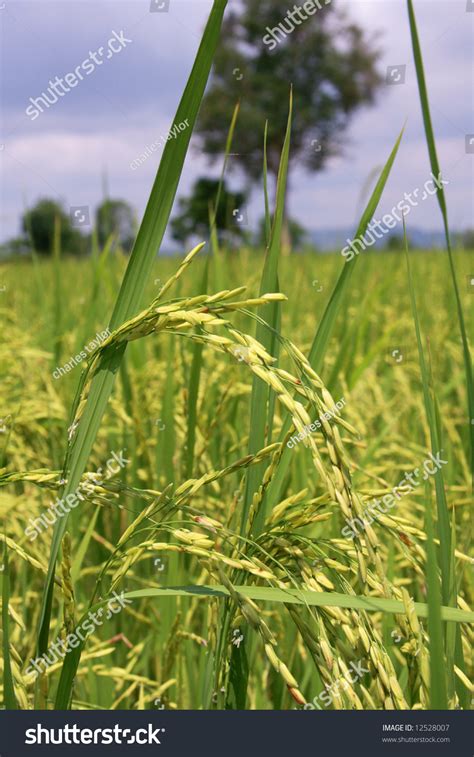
{"type": "Point", "coordinates": [114, 219]}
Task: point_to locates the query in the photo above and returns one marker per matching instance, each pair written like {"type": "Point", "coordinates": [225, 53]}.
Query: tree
{"type": "Point", "coordinates": [194, 218]}
{"type": "Point", "coordinates": [38, 223]}
{"type": "Point", "coordinates": [116, 217]}
{"type": "Point", "coordinates": [15, 246]}
{"type": "Point", "coordinates": [329, 61]}
{"type": "Point", "coordinates": [396, 242]}
{"type": "Point", "coordinates": [466, 239]}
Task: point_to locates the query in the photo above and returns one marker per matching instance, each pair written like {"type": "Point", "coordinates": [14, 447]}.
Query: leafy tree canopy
{"type": "Point", "coordinates": [329, 60]}
{"type": "Point", "coordinates": [38, 223]}
{"type": "Point", "coordinates": [193, 218]}
{"type": "Point", "coordinates": [116, 217]}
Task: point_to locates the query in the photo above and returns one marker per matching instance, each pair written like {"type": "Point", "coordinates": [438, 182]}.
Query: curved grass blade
{"type": "Point", "coordinates": [146, 246]}
{"type": "Point", "coordinates": [196, 365]}
{"type": "Point", "coordinates": [262, 405]}
{"type": "Point", "coordinates": [277, 325]}
{"type": "Point", "coordinates": [431, 143]}
{"type": "Point", "coordinates": [85, 541]}
{"type": "Point", "coordinates": [444, 529]}
{"type": "Point", "coordinates": [309, 598]}
{"type": "Point", "coordinates": [259, 594]}
{"type": "Point", "coordinates": [268, 218]}
{"type": "Point", "coordinates": [269, 283]}
{"type": "Point", "coordinates": [318, 349]}
{"type": "Point", "coordinates": [194, 381]}
{"type": "Point", "coordinates": [438, 695]}
{"type": "Point", "coordinates": [323, 334]}
{"type": "Point", "coordinates": [441, 665]}
{"type": "Point", "coordinates": [166, 429]}
{"type": "Point", "coordinates": [9, 698]}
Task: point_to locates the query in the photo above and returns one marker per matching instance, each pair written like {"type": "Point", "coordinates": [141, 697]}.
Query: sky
{"type": "Point", "coordinates": [128, 102]}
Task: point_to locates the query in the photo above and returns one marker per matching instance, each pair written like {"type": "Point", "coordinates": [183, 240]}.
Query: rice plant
{"type": "Point", "coordinates": [175, 512]}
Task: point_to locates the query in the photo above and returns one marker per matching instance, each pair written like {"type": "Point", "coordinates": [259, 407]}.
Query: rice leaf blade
{"type": "Point", "coordinates": [431, 143]}
{"type": "Point", "coordinates": [146, 246]}
{"type": "Point", "coordinates": [269, 283]}
{"type": "Point", "coordinates": [321, 339]}
{"type": "Point", "coordinates": [9, 698]}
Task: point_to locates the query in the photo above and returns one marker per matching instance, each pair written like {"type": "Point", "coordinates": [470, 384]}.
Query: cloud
{"type": "Point", "coordinates": [103, 124]}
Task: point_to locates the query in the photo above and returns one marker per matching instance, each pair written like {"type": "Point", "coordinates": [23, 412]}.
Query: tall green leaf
{"type": "Point", "coordinates": [8, 688]}
{"type": "Point", "coordinates": [438, 696]}
{"type": "Point", "coordinates": [259, 418]}
{"type": "Point", "coordinates": [261, 402]}
{"type": "Point", "coordinates": [195, 376]}
{"type": "Point", "coordinates": [146, 246]}
{"type": "Point", "coordinates": [268, 218]}
{"type": "Point", "coordinates": [303, 597]}
{"type": "Point", "coordinates": [323, 334]}
{"type": "Point", "coordinates": [431, 143]}
{"type": "Point", "coordinates": [444, 530]}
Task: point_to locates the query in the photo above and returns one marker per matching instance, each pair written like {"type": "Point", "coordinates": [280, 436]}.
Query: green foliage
{"type": "Point", "coordinates": [147, 244]}
{"type": "Point", "coordinates": [193, 218]}
{"type": "Point", "coordinates": [395, 242]}
{"type": "Point", "coordinates": [328, 59]}
{"type": "Point", "coordinates": [466, 239]}
{"type": "Point", "coordinates": [359, 357]}
{"type": "Point", "coordinates": [8, 688]}
{"type": "Point", "coordinates": [15, 246]}
{"type": "Point", "coordinates": [239, 538]}
{"type": "Point", "coordinates": [116, 217]}
{"type": "Point", "coordinates": [38, 223]}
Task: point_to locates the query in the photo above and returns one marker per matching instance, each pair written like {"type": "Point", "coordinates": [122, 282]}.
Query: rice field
{"type": "Point", "coordinates": [237, 480]}
{"type": "Point", "coordinates": [173, 515]}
